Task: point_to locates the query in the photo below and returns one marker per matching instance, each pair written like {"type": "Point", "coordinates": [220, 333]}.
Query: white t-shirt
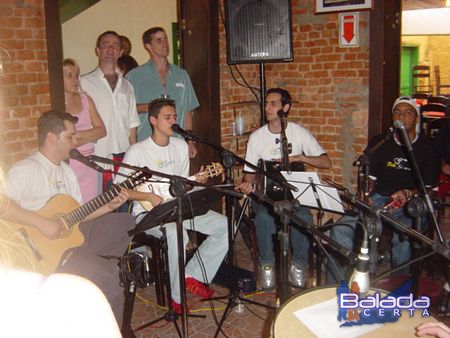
{"type": "Point", "coordinates": [117, 110]}
{"type": "Point", "coordinates": [60, 305]}
{"type": "Point", "coordinates": [165, 159]}
{"type": "Point", "coordinates": [34, 180]}
{"type": "Point", "coordinates": [265, 145]}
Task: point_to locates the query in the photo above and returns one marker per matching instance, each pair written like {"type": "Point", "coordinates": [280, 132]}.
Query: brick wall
{"type": "Point", "coordinates": [24, 87]}
{"type": "Point", "coordinates": [329, 86]}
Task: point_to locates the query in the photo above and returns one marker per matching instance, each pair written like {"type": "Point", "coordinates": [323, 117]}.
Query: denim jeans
{"type": "Point", "coordinates": [208, 257]}
{"type": "Point", "coordinates": [344, 235]}
{"type": "Point", "coordinates": [266, 227]}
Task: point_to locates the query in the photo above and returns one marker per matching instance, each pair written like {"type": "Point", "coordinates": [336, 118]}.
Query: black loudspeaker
{"type": "Point", "coordinates": [258, 31]}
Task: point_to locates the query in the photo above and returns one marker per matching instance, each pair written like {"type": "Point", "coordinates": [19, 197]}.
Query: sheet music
{"type": "Point", "coordinates": [315, 316]}
{"type": "Point", "coordinates": [328, 196]}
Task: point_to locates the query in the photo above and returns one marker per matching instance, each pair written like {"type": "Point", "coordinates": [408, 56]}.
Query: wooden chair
{"type": "Point", "coordinates": [421, 98]}
{"type": "Point", "coordinates": [421, 79]}
{"type": "Point", "coordinates": [439, 86]}
{"type": "Point", "coordinates": [432, 113]}
{"type": "Point", "coordinates": [156, 267]}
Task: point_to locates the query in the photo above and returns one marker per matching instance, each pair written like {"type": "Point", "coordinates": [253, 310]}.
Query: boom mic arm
{"type": "Point", "coordinates": [187, 134]}
{"type": "Point", "coordinates": [86, 160]}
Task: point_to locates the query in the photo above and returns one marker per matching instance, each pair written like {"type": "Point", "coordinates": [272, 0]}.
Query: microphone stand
{"type": "Point", "coordinates": [283, 208]}
{"type": "Point", "coordinates": [235, 158]}
{"type": "Point", "coordinates": [178, 188]}
{"type": "Point", "coordinates": [228, 159]}
{"type": "Point", "coordinates": [361, 272]}
{"type": "Point", "coordinates": [420, 184]}
{"type": "Point", "coordinates": [441, 248]}
{"type": "Point", "coordinates": [283, 233]}
{"type": "Point", "coordinates": [370, 241]}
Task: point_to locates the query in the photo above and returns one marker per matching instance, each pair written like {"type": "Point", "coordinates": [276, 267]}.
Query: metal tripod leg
{"type": "Point", "coordinates": [234, 297]}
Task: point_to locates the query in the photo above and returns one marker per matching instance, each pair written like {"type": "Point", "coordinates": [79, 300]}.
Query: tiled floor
{"type": "Point", "coordinates": [243, 321]}
{"type": "Point", "coordinates": [246, 320]}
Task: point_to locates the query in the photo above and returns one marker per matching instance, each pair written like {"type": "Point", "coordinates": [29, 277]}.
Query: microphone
{"type": "Point", "coordinates": [364, 157]}
{"type": "Point", "coordinates": [76, 155]}
{"type": "Point", "coordinates": [404, 134]}
{"type": "Point", "coordinates": [185, 133]}
{"type": "Point", "coordinates": [281, 114]}
{"type": "Point", "coordinates": [188, 135]}
{"type": "Point", "coordinates": [399, 124]}
{"type": "Point", "coordinates": [361, 272]}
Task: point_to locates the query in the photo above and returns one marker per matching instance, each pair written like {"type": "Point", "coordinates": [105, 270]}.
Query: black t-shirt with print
{"type": "Point", "coordinates": [391, 166]}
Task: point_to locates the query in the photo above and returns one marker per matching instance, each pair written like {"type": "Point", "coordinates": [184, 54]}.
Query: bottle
{"type": "Point", "coordinates": [239, 125]}
{"type": "Point", "coordinates": [233, 128]}
{"type": "Point", "coordinates": [239, 307]}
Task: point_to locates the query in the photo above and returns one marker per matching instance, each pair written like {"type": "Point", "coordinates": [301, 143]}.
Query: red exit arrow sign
{"type": "Point", "coordinates": [348, 29]}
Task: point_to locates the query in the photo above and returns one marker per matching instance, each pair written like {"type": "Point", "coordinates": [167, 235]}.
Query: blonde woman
{"type": "Point", "coordinates": [90, 128]}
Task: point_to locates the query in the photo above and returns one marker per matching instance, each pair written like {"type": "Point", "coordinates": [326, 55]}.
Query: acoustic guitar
{"type": "Point", "coordinates": [211, 170]}
{"type": "Point", "coordinates": [67, 211]}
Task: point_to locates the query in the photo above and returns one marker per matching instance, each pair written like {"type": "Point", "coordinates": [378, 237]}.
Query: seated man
{"type": "Point", "coordinates": [32, 182]}
{"type": "Point", "coordinates": [394, 178]}
{"type": "Point", "coordinates": [265, 144]}
{"type": "Point", "coordinates": [170, 155]}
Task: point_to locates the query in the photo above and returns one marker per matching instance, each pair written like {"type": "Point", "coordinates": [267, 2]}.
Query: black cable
{"type": "Point", "coordinates": [198, 257]}
{"type": "Point", "coordinates": [134, 268]}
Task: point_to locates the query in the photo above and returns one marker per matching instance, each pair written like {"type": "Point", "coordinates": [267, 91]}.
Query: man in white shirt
{"type": "Point", "coordinates": [34, 181]}
{"type": "Point", "coordinates": [164, 153]}
{"type": "Point", "coordinates": [264, 144]}
{"type": "Point", "coordinates": [114, 98]}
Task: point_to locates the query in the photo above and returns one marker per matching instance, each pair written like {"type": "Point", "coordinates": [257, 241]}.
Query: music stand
{"type": "Point", "coordinates": [312, 193]}
{"type": "Point", "coordinates": [196, 202]}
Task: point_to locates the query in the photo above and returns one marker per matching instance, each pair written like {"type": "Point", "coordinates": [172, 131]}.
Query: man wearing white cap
{"type": "Point", "coordinates": [395, 178]}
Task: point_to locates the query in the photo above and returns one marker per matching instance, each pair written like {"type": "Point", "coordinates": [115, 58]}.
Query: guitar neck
{"type": "Point", "coordinates": [85, 210]}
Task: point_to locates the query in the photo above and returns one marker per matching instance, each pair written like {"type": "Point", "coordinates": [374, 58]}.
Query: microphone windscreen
{"type": "Point", "coordinates": [398, 124]}
{"type": "Point", "coordinates": [176, 128]}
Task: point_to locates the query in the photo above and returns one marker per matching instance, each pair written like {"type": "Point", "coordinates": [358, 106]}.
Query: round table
{"type": "Point", "coordinates": [287, 325]}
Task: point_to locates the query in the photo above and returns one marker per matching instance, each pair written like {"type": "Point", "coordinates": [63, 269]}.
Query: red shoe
{"type": "Point", "coordinates": [177, 308]}
{"type": "Point", "coordinates": [198, 288]}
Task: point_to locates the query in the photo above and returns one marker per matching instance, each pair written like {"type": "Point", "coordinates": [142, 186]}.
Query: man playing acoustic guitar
{"type": "Point", "coordinates": [44, 181]}
{"type": "Point", "coordinates": [167, 154]}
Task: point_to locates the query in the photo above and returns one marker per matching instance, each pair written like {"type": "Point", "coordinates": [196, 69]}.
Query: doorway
{"type": "Point", "coordinates": [409, 58]}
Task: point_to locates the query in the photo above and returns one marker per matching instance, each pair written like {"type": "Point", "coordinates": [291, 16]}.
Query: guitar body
{"type": "Point", "coordinates": [68, 212]}
{"type": "Point", "coordinates": [48, 252]}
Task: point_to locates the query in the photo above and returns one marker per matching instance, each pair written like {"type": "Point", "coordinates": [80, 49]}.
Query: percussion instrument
{"type": "Point", "coordinates": [268, 186]}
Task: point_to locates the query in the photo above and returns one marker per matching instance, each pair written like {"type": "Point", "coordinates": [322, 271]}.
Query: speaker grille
{"type": "Point", "coordinates": [258, 31]}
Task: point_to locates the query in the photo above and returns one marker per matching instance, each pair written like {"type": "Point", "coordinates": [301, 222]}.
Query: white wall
{"type": "Point", "coordinates": [129, 17]}
{"type": "Point", "coordinates": [433, 21]}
